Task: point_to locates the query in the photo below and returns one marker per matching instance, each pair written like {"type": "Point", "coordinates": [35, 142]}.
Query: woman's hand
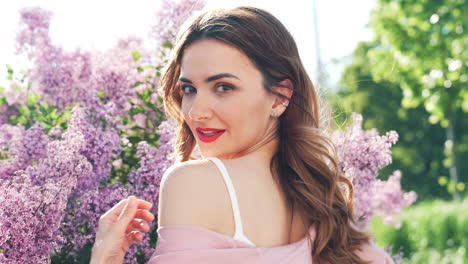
{"type": "Point", "coordinates": [118, 229]}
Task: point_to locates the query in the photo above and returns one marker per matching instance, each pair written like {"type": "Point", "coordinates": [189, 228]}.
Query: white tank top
{"type": "Point", "coordinates": [239, 230]}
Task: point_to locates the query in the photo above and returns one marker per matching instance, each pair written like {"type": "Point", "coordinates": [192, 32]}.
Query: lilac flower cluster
{"type": "Point", "coordinates": [144, 182]}
{"type": "Point", "coordinates": [391, 199]}
{"type": "Point", "coordinates": [31, 214]}
{"type": "Point", "coordinates": [63, 78]}
{"type": "Point", "coordinates": [102, 144]}
{"type": "Point", "coordinates": [89, 200]}
{"type": "Point", "coordinates": [20, 147]}
{"type": "Point", "coordinates": [154, 161]}
{"type": "Point", "coordinates": [362, 154]}
{"type": "Point", "coordinates": [57, 74]}
{"type": "Point", "coordinates": [34, 29]}
{"type": "Point", "coordinates": [82, 215]}
{"type": "Point", "coordinates": [171, 16]}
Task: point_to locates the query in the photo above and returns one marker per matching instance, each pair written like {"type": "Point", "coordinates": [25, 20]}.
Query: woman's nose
{"type": "Point", "coordinates": [200, 109]}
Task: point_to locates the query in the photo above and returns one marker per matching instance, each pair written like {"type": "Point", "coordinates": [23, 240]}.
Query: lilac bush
{"type": "Point", "coordinates": [82, 130]}
{"type": "Point", "coordinates": [32, 213]}
{"type": "Point", "coordinates": [119, 120]}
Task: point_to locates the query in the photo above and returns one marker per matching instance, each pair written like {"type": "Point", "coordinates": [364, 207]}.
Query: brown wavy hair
{"type": "Point", "coordinates": [305, 162]}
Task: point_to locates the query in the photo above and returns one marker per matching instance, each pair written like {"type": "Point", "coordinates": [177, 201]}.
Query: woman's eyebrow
{"type": "Point", "coordinates": [211, 78]}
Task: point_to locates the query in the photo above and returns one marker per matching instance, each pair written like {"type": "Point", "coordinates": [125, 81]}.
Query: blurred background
{"type": "Point", "coordinates": [401, 64]}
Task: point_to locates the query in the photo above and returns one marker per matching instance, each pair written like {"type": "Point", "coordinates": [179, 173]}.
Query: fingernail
{"type": "Point", "coordinates": [131, 200]}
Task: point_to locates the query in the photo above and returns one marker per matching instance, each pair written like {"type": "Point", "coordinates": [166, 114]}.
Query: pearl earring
{"type": "Point", "coordinates": [275, 114]}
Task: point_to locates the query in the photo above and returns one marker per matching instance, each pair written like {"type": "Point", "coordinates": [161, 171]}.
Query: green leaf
{"type": "Point", "coordinates": [138, 83]}
{"type": "Point", "coordinates": [134, 139]}
{"type": "Point", "coordinates": [151, 105]}
{"type": "Point", "coordinates": [145, 96]}
{"type": "Point", "coordinates": [32, 99]}
{"type": "Point", "coordinates": [101, 94]}
{"type": "Point", "coordinates": [24, 111]}
{"type": "Point", "coordinates": [136, 110]}
{"type": "Point", "coordinates": [64, 117]}
{"type": "Point", "coordinates": [13, 119]}
{"type": "Point", "coordinates": [136, 55]}
{"type": "Point", "coordinates": [167, 44]}
{"type": "Point", "coordinates": [149, 123]}
{"type": "Point", "coordinates": [53, 114]}
{"type": "Point", "coordinates": [22, 120]}
{"type": "Point", "coordinates": [43, 110]}
{"type": "Point", "coordinates": [9, 69]}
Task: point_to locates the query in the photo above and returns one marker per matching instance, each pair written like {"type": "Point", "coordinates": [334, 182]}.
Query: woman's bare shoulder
{"type": "Point", "coordinates": [370, 252]}
{"type": "Point", "coordinates": [183, 171]}
{"type": "Point", "coordinates": [185, 194]}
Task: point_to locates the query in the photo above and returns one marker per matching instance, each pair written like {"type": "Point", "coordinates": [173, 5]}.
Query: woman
{"type": "Point", "coordinates": [269, 189]}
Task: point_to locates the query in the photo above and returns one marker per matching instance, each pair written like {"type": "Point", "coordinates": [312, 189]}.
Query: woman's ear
{"type": "Point", "coordinates": [285, 90]}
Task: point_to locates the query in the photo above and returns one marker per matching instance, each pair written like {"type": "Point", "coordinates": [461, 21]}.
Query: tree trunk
{"type": "Point", "coordinates": [452, 154]}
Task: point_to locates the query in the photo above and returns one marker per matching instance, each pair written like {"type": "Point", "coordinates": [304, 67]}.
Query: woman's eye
{"type": "Point", "coordinates": [223, 88]}
{"type": "Point", "coordinates": [187, 89]}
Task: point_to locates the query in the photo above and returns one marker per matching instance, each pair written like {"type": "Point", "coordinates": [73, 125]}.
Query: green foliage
{"type": "Point", "coordinates": [431, 232]}
{"type": "Point", "coordinates": [418, 153]}
{"type": "Point", "coordinates": [412, 78]}
{"type": "Point", "coordinates": [421, 46]}
{"type": "Point", "coordinates": [32, 109]}
{"type": "Point", "coordinates": [152, 112]}
{"type": "Point", "coordinates": [30, 112]}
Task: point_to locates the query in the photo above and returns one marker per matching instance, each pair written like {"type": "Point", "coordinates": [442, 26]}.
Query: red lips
{"type": "Point", "coordinates": [207, 138]}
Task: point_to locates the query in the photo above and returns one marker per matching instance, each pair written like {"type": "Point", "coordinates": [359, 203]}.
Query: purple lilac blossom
{"type": "Point", "coordinates": [62, 78]}
{"type": "Point", "coordinates": [34, 29]}
{"type": "Point", "coordinates": [154, 161]}
{"type": "Point", "coordinates": [89, 200]}
{"type": "Point", "coordinates": [102, 144]}
{"type": "Point", "coordinates": [362, 154]}
{"type": "Point", "coordinates": [391, 199]}
{"type": "Point", "coordinates": [144, 182]}
{"type": "Point", "coordinates": [11, 149]}
{"type": "Point", "coordinates": [82, 215]}
{"type": "Point", "coordinates": [55, 132]}
{"type": "Point", "coordinates": [171, 15]}
{"type": "Point", "coordinates": [31, 214]}
{"type": "Point", "coordinates": [20, 147]}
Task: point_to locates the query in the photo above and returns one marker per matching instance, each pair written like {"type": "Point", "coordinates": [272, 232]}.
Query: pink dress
{"type": "Point", "coordinates": [179, 244]}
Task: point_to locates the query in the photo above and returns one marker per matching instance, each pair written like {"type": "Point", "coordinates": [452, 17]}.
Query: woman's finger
{"type": "Point", "coordinates": [138, 224]}
{"type": "Point", "coordinates": [115, 211]}
{"type": "Point", "coordinates": [135, 236]}
{"type": "Point", "coordinates": [145, 215]}
{"type": "Point", "coordinates": [145, 205]}
{"type": "Point", "coordinates": [127, 214]}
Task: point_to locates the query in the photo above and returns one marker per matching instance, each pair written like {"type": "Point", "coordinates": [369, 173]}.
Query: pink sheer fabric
{"type": "Point", "coordinates": [179, 244]}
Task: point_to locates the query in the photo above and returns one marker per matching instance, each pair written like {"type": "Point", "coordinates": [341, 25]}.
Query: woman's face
{"type": "Point", "coordinates": [223, 99]}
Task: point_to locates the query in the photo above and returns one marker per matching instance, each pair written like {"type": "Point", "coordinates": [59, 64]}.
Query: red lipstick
{"type": "Point", "coordinates": [208, 135]}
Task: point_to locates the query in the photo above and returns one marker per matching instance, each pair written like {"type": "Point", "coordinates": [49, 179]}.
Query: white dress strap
{"type": "Point", "coordinates": [239, 230]}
